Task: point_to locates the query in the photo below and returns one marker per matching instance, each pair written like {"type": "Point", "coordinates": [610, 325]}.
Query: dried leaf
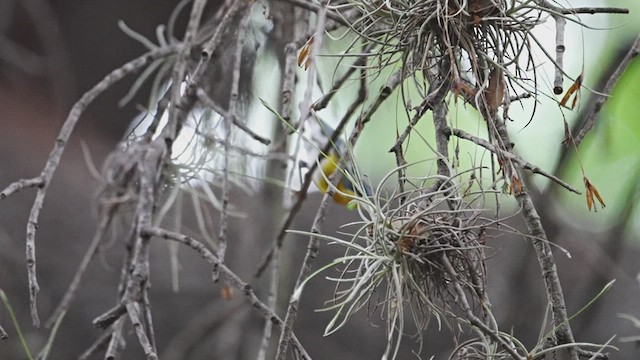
{"type": "Point", "coordinates": [567, 134]}
{"type": "Point", "coordinates": [481, 8]}
{"type": "Point", "coordinates": [516, 185]}
{"type": "Point", "coordinates": [226, 292]}
{"type": "Point", "coordinates": [462, 89]}
{"type": "Point", "coordinates": [472, 180]}
{"type": "Point", "coordinates": [574, 89]}
{"type": "Point", "coordinates": [495, 91]}
{"type": "Point", "coordinates": [305, 52]}
{"type": "Point", "coordinates": [592, 192]}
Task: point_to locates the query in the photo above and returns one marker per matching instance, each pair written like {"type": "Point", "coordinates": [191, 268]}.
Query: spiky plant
{"type": "Point", "coordinates": [424, 245]}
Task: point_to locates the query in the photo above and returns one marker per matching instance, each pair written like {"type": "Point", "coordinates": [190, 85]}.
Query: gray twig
{"type": "Point", "coordinates": [207, 101]}
{"type": "Point", "coordinates": [560, 48]}
{"type": "Point", "coordinates": [546, 260]}
{"type": "Point", "coordinates": [105, 219]}
{"type": "Point", "coordinates": [229, 276]}
{"type": "Point", "coordinates": [317, 8]}
{"type": "Point", "coordinates": [466, 307]}
{"type": "Point", "coordinates": [235, 85]}
{"type": "Point", "coordinates": [113, 349]}
{"type": "Point", "coordinates": [98, 345]}
{"type": "Point", "coordinates": [509, 155]}
{"type": "Point", "coordinates": [305, 113]}
{"type": "Point", "coordinates": [43, 181]}
{"type": "Point", "coordinates": [601, 98]}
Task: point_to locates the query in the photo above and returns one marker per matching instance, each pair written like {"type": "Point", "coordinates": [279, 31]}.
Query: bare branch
{"type": "Point", "coordinates": [229, 276]}
{"type": "Point", "coordinates": [206, 100]}
{"type": "Point", "coordinates": [546, 260]}
{"type": "Point", "coordinates": [235, 84]}
{"type": "Point", "coordinates": [560, 48]}
{"type": "Point", "coordinates": [117, 339]}
{"type": "Point", "coordinates": [138, 326]}
{"type": "Point", "coordinates": [317, 9]}
{"type": "Point", "coordinates": [600, 99]}
{"type": "Point", "coordinates": [105, 219]}
{"type": "Point", "coordinates": [473, 319]}
{"type": "Point", "coordinates": [100, 344]}
{"type": "Point", "coordinates": [56, 154]}
{"type": "Point", "coordinates": [21, 184]}
{"type": "Point", "coordinates": [305, 113]}
{"type": "Point", "coordinates": [523, 163]}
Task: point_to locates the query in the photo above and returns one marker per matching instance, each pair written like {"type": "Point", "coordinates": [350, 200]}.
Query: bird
{"type": "Point", "coordinates": [345, 191]}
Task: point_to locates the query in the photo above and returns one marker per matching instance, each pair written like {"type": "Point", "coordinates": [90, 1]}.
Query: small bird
{"type": "Point", "coordinates": [345, 191]}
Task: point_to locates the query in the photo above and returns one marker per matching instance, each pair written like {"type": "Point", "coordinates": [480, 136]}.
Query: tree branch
{"type": "Point", "coordinates": [601, 98]}
{"type": "Point", "coordinates": [228, 275]}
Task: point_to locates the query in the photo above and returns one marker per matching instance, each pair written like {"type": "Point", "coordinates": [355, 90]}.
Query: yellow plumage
{"type": "Point", "coordinates": [345, 189]}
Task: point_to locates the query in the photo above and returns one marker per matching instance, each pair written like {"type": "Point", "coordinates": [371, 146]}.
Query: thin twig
{"type": "Point", "coordinates": [137, 276]}
{"type": "Point", "coordinates": [68, 297]}
{"type": "Point", "coordinates": [206, 100]}
{"type": "Point", "coordinates": [560, 48]}
{"type": "Point", "coordinates": [272, 301]}
{"type": "Point", "coordinates": [55, 156]}
{"type": "Point", "coordinates": [98, 345]}
{"type": "Point", "coordinates": [602, 97]}
{"type": "Point", "coordinates": [442, 147]}
{"type": "Point", "coordinates": [582, 10]}
{"type": "Point", "coordinates": [117, 339]}
{"type": "Point", "coordinates": [233, 101]}
{"type": "Point", "coordinates": [229, 276]}
{"type": "Point", "coordinates": [317, 8]}
{"type": "Point", "coordinates": [549, 271]}
{"type": "Point", "coordinates": [210, 46]}
{"type": "Point", "coordinates": [138, 326]}
{"type": "Point", "coordinates": [437, 92]}
{"type": "Point", "coordinates": [147, 167]}
{"type": "Point", "coordinates": [337, 85]}
{"type": "Point", "coordinates": [20, 185]}
{"type": "Point", "coordinates": [314, 244]}
{"type": "Point", "coordinates": [461, 299]}
{"type": "Point", "coordinates": [110, 316]}
{"type": "Point", "coordinates": [312, 252]}
{"type": "Point", "coordinates": [507, 154]}
{"type": "Point", "coordinates": [289, 82]}
{"type": "Point", "coordinates": [305, 113]}
{"type": "Point", "coordinates": [180, 66]}
{"type": "Point", "coordinates": [146, 313]}
{"type": "Point", "coordinates": [595, 10]}
{"type": "Point", "coordinates": [308, 179]}
{"type": "Point", "coordinates": [277, 169]}
{"type": "Point", "coordinates": [546, 260]}
{"type": "Point", "coordinates": [559, 15]}
{"type": "Point", "coordinates": [312, 248]}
